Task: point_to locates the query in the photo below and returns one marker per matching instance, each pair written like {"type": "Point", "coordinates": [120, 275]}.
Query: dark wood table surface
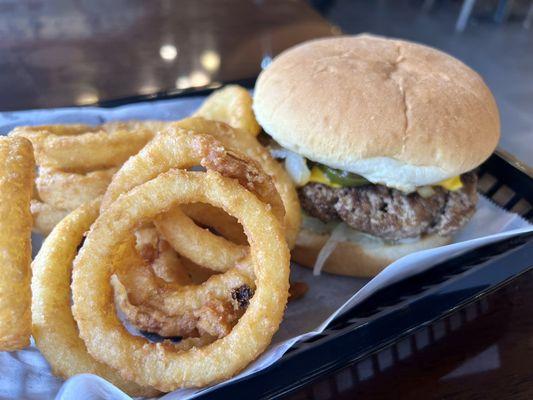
{"type": "Point", "coordinates": [62, 53]}
{"type": "Point", "coordinates": [67, 52]}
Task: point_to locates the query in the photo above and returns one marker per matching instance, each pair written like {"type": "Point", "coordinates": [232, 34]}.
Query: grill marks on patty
{"type": "Point", "coordinates": [389, 213]}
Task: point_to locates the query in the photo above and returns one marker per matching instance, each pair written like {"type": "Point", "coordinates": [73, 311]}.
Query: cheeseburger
{"type": "Point", "coordinates": [381, 137]}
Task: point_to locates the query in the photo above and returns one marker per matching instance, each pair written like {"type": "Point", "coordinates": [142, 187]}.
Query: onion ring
{"type": "Point", "coordinates": [159, 364]}
{"type": "Point", "coordinates": [81, 148]}
{"type": "Point", "coordinates": [140, 294]}
{"type": "Point", "coordinates": [206, 249]}
{"type": "Point", "coordinates": [17, 168]}
{"type": "Point", "coordinates": [233, 105]}
{"type": "Point", "coordinates": [127, 177]}
{"type": "Point", "coordinates": [250, 147]}
{"type": "Point", "coordinates": [163, 260]}
{"type": "Point", "coordinates": [69, 190]}
{"type": "Point", "coordinates": [45, 216]}
{"type": "Point", "coordinates": [200, 245]}
{"type": "Point", "coordinates": [176, 148]}
{"type": "Point", "coordinates": [223, 224]}
{"type": "Point", "coordinates": [54, 329]}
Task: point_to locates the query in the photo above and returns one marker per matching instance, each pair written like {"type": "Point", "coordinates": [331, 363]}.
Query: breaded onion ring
{"type": "Point", "coordinates": [17, 168]}
{"type": "Point", "coordinates": [159, 364]}
{"type": "Point", "coordinates": [233, 105]}
{"type": "Point", "coordinates": [250, 147]}
{"type": "Point", "coordinates": [45, 216]}
{"type": "Point", "coordinates": [54, 329]}
{"type": "Point", "coordinates": [206, 249]}
{"type": "Point", "coordinates": [81, 148]}
{"type": "Point", "coordinates": [223, 224]}
{"type": "Point", "coordinates": [128, 178]}
{"type": "Point", "coordinates": [69, 190]}
{"type": "Point", "coordinates": [176, 148]}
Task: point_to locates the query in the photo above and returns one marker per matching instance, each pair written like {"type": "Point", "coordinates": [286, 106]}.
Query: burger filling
{"type": "Point", "coordinates": [332, 195]}
{"type": "Point", "coordinates": [391, 214]}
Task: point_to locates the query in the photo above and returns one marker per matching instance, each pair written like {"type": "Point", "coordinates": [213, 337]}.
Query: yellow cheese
{"type": "Point", "coordinates": [320, 177]}
{"type": "Point", "coordinates": [452, 184]}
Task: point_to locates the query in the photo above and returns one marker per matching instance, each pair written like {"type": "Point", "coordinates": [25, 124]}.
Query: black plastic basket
{"type": "Point", "coordinates": [394, 321]}
{"type": "Point", "coordinates": [420, 305]}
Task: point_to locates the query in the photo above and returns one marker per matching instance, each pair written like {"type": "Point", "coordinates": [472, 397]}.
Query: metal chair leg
{"type": "Point", "coordinates": [464, 15]}
{"type": "Point", "coordinates": [529, 17]}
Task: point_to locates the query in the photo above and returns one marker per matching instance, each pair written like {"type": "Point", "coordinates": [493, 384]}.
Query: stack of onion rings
{"type": "Point", "coordinates": [76, 163]}
{"type": "Point", "coordinates": [178, 148]}
{"type": "Point", "coordinates": [189, 229]}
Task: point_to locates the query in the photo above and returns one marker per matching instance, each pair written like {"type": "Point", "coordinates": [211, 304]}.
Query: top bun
{"type": "Point", "coordinates": [398, 113]}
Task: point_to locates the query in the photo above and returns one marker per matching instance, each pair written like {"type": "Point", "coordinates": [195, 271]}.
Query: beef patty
{"type": "Point", "coordinates": [389, 213]}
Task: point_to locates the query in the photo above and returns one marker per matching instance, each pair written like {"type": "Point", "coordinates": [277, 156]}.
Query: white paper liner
{"type": "Point", "coordinates": [25, 374]}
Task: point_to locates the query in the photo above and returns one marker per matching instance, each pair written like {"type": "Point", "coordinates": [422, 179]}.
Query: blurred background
{"type": "Point", "coordinates": [81, 52]}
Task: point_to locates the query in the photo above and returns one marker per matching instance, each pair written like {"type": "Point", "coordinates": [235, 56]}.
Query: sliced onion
{"type": "Point", "coordinates": [297, 168]}
{"type": "Point", "coordinates": [317, 226]}
{"type": "Point", "coordinates": [338, 235]}
{"type": "Point", "coordinates": [279, 152]}
{"type": "Point", "coordinates": [425, 191]}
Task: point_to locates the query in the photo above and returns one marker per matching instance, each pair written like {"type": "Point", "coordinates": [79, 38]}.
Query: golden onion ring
{"type": "Point", "coordinates": [159, 364]}
{"type": "Point", "coordinates": [128, 178]}
{"type": "Point", "coordinates": [54, 329]}
{"type": "Point", "coordinates": [81, 148]}
{"type": "Point", "coordinates": [69, 190]}
{"type": "Point", "coordinates": [233, 105]}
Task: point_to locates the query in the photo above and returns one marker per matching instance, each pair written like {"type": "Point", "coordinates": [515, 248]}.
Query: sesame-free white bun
{"type": "Point", "coordinates": [398, 113]}
{"type": "Point", "coordinates": [361, 258]}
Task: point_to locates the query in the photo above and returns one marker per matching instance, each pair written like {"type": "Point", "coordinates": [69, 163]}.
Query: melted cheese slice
{"type": "Point", "coordinates": [318, 176]}
{"type": "Point", "coordinates": [452, 184]}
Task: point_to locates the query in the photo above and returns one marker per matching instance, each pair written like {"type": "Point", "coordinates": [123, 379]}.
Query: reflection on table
{"type": "Point", "coordinates": [60, 53]}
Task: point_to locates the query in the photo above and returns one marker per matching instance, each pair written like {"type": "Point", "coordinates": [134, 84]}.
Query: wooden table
{"type": "Point", "coordinates": [62, 53]}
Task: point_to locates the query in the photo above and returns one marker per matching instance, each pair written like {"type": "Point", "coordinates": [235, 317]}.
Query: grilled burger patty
{"type": "Point", "coordinates": [389, 213]}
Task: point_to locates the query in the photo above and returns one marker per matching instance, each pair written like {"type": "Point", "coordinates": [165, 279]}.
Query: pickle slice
{"type": "Point", "coordinates": [343, 178]}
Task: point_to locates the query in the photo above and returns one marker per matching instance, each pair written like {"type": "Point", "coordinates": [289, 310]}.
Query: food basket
{"type": "Point", "coordinates": [390, 325]}
{"type": "Point", "coordinates": [396, 321]}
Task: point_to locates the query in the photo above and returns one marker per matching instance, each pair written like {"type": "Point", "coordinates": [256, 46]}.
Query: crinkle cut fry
{"type": "Point", "coordinates": [17, 167]}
